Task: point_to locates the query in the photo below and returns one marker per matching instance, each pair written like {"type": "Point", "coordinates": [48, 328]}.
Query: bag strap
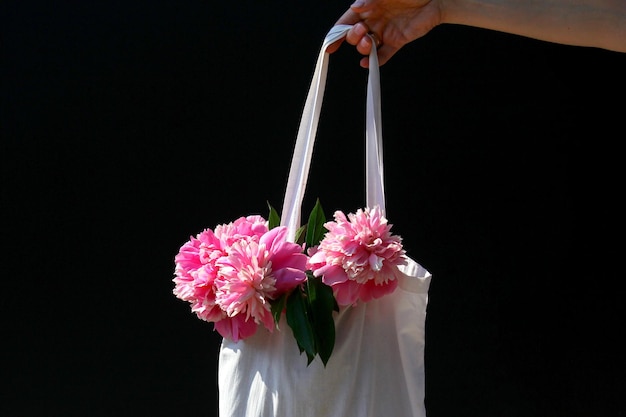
{"type": "Point", "coordinates": [303, 150]}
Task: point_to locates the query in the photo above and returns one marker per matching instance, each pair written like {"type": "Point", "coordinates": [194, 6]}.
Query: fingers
{"type": "Point", "coordinates": [357, 33]}
{"type": "Point", "coordinates": [385, 52]}
{"type": "Point", "coordinates": [357, 36]}
{"type": "Point", "coordinates": [364, 46]}
{"type": "Point", "coordinates": [348, 18]}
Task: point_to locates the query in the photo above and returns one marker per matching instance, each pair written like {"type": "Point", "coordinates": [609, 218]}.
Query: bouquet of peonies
{"type": "Point", "coordinates": [246, 274]}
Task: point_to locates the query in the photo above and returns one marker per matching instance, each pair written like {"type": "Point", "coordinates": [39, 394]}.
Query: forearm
{"type": "Point", "coordinates": [599, 23]}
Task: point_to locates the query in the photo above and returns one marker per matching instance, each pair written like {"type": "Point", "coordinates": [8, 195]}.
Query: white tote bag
{"type": "Point", "coordinates": [377, 365]}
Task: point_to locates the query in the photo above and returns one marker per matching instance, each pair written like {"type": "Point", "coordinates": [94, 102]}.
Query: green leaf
{"type": "Point", "coordinates": [309, 308]}
{"type": "Point", "coordinates": [298, 320]}
{"type": "Point", "coordinates": [322, 303]}
{"type": "Point", "coordinates": [315, 227]}
{"type": "Point", "coordinates": [273, 218]}
{"type": "Point", "coordinates": [299, 238]}
{"type": "Point", "coordinates": [278, 306]}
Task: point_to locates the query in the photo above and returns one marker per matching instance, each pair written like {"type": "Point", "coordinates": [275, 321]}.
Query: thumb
{"type": "Point", "coordinates": [360, 6]}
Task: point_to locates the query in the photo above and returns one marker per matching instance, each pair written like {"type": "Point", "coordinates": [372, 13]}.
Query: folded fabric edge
{"type": "Point", "coordinates": [416, 278]}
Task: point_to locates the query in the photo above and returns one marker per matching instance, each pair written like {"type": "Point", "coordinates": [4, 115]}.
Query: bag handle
{"type": "Point", "coordinates": [303, 150]}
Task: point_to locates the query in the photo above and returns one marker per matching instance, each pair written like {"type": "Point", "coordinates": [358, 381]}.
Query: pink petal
{"type": "Point", "coordinates": [236, 328]}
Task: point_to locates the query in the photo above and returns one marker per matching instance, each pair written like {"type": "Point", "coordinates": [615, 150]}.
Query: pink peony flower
{"type": "Point", "coordinates": [236, 328]}
{"type": "Point", "coordinates": [195, 274]}
{"type": "Point", "coordinates": [254, 273]}
{"type": "Point", "coordinates": [230, 274]}
{"type": "Point", "coordinates": [247, 228]}
{"type": "Point", "coordinates": [195, 270]}
{"type": "Point", "coordinates": [358, 257]}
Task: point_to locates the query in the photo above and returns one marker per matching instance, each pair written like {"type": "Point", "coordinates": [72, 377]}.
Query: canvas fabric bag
{"type": "Point", "coordinates": [377, 365]}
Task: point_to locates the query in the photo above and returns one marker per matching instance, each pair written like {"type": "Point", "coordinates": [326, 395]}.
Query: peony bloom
{"type": "Point", "coordinates": [244, 228]}
{"type": "Point", "coordinates": [195, 274]}
{"type": "Point", "coordinates": [358, 257]}
{"type": "Point", "coordinates": [254, 273]}
{"type": "Point", "coordinates": [195, 270]}
{"type": "Point", "coordinates": [230, 274]}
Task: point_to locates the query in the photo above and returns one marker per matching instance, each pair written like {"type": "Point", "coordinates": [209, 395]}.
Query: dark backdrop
{"type": "Point", "coordinates": [128, 126]}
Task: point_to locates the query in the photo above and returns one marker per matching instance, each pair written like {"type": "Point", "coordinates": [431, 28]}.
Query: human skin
{"type": "Point", "coordinates": [586, 23]}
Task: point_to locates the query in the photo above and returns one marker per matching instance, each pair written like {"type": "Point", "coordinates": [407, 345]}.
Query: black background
{"type": "Point", "coordinates": [128, 126]}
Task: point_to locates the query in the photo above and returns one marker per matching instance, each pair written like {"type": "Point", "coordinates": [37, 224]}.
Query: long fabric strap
{"type": "Point", "coordinates": [303, 150]}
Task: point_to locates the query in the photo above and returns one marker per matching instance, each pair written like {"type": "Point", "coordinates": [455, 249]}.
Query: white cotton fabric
{"type": "Point", "coordinates": [377, 366]}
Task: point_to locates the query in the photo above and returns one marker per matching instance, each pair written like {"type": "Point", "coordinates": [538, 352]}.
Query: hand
{"type": "Point", "coordinates": [394, 23]}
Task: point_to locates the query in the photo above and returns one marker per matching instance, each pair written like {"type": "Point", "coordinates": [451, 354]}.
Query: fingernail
{"type": "Point", "coordinates": [360, 29]}
{"type": "Point", "coordinates": [358, 3]}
